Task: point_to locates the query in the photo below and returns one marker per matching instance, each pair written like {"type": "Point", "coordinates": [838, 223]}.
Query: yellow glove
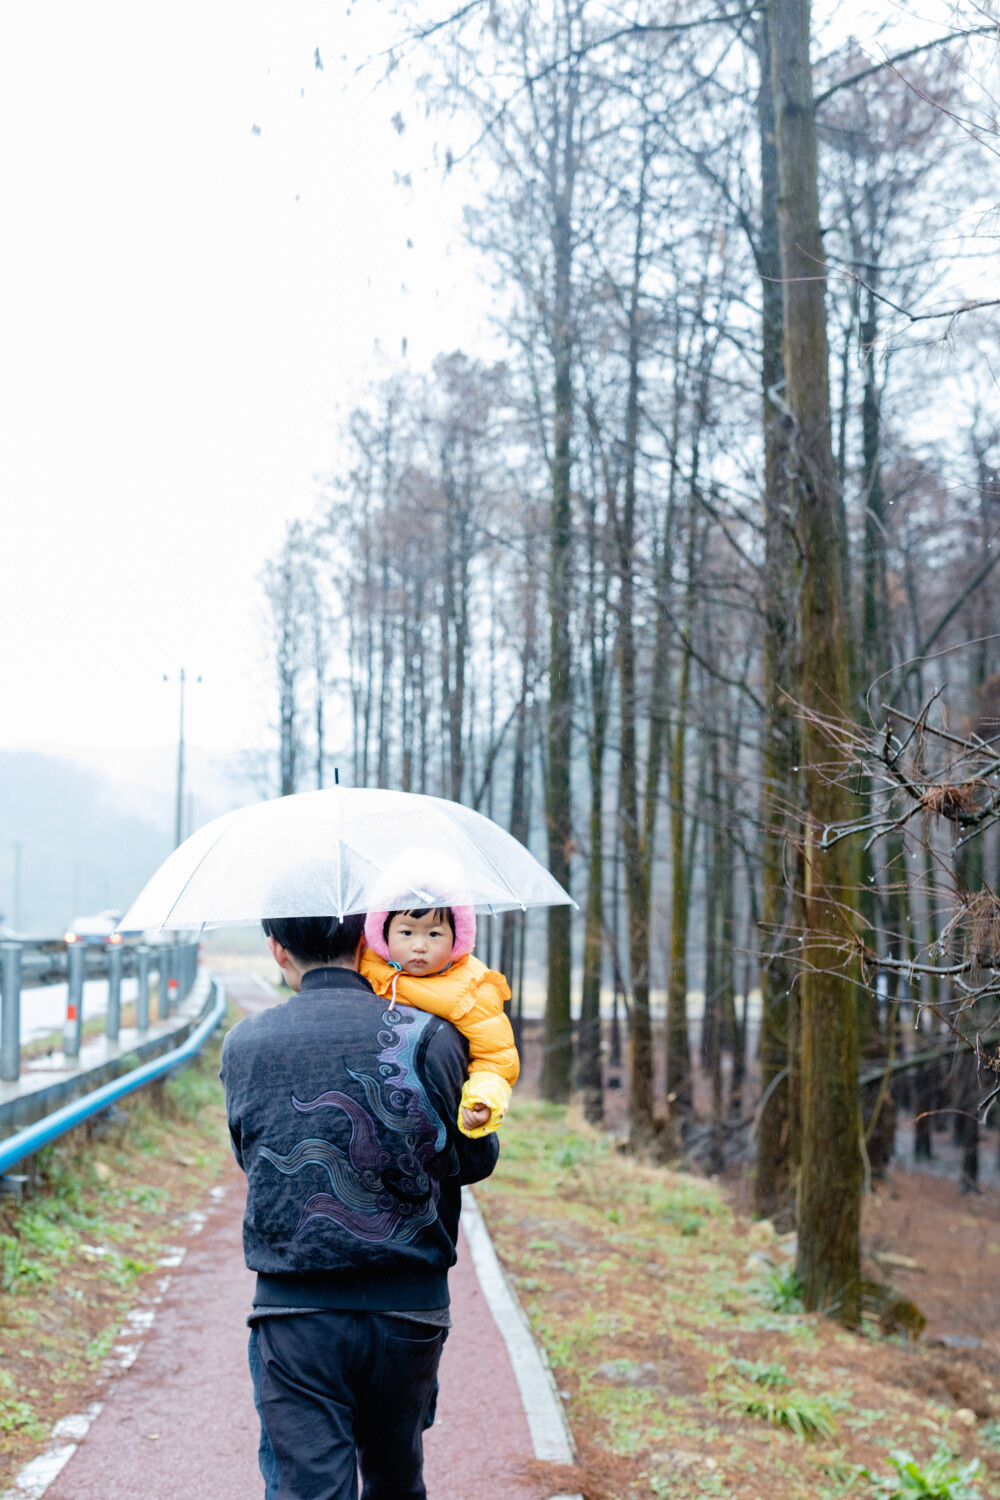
{"type": "Point", "coordinates": [485, 1088]}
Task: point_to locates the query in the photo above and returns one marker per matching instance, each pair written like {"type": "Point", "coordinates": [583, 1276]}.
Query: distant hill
{"type": "Point", "coordinates": [92, 834]}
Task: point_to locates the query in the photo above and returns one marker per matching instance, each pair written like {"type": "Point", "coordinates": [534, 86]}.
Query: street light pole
{"type": "Point", "coordinates": [179, 809]}
{"type": "Point", "coordinates": [179, 799]}
{"type": "Point", "coordinates": [16, 846]}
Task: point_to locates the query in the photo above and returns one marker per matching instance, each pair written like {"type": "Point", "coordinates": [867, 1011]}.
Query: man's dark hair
{"type": "Point", "coordinates": [442, 913]}
{"type": "Point", "coordinates": [317, 940]}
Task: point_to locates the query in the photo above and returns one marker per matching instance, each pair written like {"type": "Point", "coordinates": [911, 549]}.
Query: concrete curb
{"type": "Point", "coordinates": [551, 1437]}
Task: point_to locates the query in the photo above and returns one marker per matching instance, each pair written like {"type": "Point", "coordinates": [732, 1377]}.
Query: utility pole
{"type": "Point", "coordinates": [16, 846]}
{"type": "Point", "coordinates": [179, 799]}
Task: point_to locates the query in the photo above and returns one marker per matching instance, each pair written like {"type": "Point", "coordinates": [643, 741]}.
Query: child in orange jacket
{"type": "Point", "coordinates": [424, 958]}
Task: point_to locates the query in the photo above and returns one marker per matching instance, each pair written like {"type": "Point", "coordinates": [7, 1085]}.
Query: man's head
{"type": "Point", "coordinates": [299, 944]}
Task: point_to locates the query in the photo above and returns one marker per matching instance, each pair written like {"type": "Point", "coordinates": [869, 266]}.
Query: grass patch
{"type": "Point", "coordinates": [941, 1478]}
{"type": "Point", "coordinates": [806, 1416]}
{"type": "Point", "coordinates": [79, 1252]}
{"type": "Point", "coordinates": [684, 1372]}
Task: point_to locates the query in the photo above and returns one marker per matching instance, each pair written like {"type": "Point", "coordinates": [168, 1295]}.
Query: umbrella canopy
{"type": "Point", "coordinates": [341, 850]}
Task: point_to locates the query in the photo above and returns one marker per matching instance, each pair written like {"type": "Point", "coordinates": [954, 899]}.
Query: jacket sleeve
{"type": "Point", "coordinates": [444, 1068]}
{"type": "Point", "coordinates": [488, 1031]}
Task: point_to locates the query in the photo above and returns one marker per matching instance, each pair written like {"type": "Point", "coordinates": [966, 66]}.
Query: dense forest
{"type": "Point", "coordinates": [694, 587]}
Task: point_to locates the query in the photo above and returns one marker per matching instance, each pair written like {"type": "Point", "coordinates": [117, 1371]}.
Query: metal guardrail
{"type": "Point", "coordinates": [33, 1137]}
{"type": "Point", "coordinates": [32, 963]}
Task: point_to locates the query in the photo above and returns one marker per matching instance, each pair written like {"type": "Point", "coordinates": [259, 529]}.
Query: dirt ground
{"type": "Point", "coordinates": [918, 1213]}
{"type": "Point", "coordinates": [934, 1244]}
{"type": "Point", "coordinates": [679, 1351]}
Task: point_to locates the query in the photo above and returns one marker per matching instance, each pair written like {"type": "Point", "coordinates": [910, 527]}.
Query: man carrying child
{"type": "Point", "coordinates": [344, 1114]}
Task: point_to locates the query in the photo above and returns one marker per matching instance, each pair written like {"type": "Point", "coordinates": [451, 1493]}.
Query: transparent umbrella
{"type": "Point", "coordinates": [337, 851]}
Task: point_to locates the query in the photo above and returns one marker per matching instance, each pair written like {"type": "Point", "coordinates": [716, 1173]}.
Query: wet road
{"type": "Point", "coordinates": [43, 1007]}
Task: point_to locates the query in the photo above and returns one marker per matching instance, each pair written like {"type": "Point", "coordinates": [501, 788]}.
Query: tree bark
{"type": "Point", "coordinates": [590, 1074]}
{"type": "Point", "coordinates": [830, 1177]}
{"type": "Point", "coordinates": [557, 1067]}
{"type": "Point", "coordinates": [636, 882]}
{"type": "Point", "coordinates": [678, 1046]}
{"type": "Point", "coordinates": [773, 1186]}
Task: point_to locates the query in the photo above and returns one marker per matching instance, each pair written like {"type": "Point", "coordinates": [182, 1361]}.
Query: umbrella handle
{"type": "Point", "coordinates": [392, 993]}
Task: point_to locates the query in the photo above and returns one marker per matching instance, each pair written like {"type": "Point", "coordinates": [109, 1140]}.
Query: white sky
{"type": "Point", "coordinates": [188, 311]}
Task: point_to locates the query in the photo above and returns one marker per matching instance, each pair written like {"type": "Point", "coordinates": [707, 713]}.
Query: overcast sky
{"type": "Point", "coordinates": [189, 308]}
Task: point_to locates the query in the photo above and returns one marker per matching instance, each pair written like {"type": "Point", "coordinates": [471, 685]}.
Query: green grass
{"type": "Point", "coordinates": [74, 1253]}
{"type": "Point", "coordinates": [770, 1395]}
{"type": "Point", "coordinates": [941, 1478]}
{"type": "Point", "coordinates": [626, 1268]}
{"type": "Point", "coordinates": [781, 1291]}
{"type": "Point", "coordinates": [805, 1416]}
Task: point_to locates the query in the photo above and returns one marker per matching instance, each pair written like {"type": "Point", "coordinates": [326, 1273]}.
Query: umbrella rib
{"type": "Point", "coordinates": [482, 853]}
{"type": "Point", "coordinates": [214, 844]}
{"type": "Point", "coordinates": [340, 860]}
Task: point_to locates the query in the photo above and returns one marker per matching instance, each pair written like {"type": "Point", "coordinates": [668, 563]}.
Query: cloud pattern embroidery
{"type": "Point", "coordinates": [382, 1188]}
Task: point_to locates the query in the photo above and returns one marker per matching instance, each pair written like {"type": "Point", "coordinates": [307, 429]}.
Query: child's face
{"type": "Point", "coordinates": [420, 945]}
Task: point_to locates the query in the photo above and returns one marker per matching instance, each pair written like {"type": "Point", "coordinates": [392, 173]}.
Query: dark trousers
{"type": "Point", "coordinates": [339, 1389]}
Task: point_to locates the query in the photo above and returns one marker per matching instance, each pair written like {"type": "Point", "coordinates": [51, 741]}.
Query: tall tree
{"type": "Point", "coordinates": [830, 1179]}
{"type": "Point", "coordinates": [287, 581]}
{"type": "Point", "coordinates": [560, 146]}
{"type": "Point", "coordinates": [777, 1140]}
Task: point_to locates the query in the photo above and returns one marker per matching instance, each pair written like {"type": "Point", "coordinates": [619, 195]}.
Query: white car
{"type": "Point", "coordinates": [99, 929]}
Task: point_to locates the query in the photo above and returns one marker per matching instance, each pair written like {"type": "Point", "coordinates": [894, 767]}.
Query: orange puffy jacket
{"type": "Point", "coordinates": [471, 997]}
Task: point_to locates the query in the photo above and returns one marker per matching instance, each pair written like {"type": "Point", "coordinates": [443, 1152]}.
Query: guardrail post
{"type": "Point", "coordinates": [10, 1024]}
{"type": "Point", "coordinates": [163, 989]}
{"type": "Point", "coordinates": [113, 1015]}
{"type": "Point", "coordinates": [76, 961]}
{"type": "Point", "coordinates": [174, 982]}
{"type": "Point", "coordinates": [142, 957]}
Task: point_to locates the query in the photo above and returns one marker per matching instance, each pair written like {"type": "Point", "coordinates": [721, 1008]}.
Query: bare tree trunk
{"type": "Point", "coordinates": [711, 1047]}
{"type": "Point", "coordinates": [710, 1041]}
{"type": "Point", "coordinates": [772, 1187]}
{"type": "Point", "coordinates": [678, 1046]}
{"type": "Point", "coordinates": [875, 597]}
{"type": "Point", "coordinates": [830, 1179]}
{"type": "Point", "coordinates": [615, 1037]}
{"type": "Point", "coordinates": [421, 693]}
{"type": "Point", "coordinates": [725, 970]}
{"type": "Point", "coordinates": [520, 791]}
{"type": "Point", "coordinates": [590, 1074]}
{"type": "Point", "coordinates": [636, 868]}
{"type": "Point", "coordinates": [557, 1068]}
{"type": "Point", "coordinates": [385, 612]}
{"type": "Point", "coordinates": [518, 827]}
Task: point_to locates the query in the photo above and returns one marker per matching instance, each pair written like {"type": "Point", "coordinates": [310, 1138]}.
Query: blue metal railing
{"type": "Point", "coordinates": [33, 1137]}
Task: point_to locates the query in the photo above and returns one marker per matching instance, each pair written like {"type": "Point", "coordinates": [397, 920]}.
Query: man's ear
{"type": "Point", "coordinates": [280, 955]}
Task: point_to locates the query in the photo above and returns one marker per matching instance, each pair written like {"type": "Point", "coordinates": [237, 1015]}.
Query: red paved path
{"type": "Point", "coordinates": [191, 1388]}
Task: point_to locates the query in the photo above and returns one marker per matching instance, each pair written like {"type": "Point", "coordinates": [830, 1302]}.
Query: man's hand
{"type": "Point", "coordinates": [476, 1117]}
